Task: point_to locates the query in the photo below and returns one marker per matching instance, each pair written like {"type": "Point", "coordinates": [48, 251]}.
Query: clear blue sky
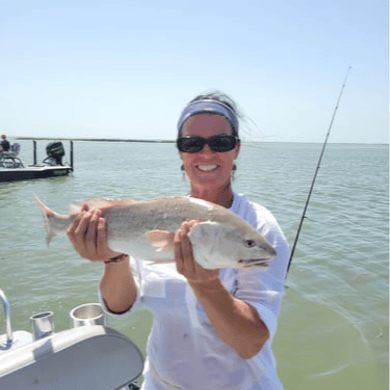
{"type": "Point", "coordinates": [126, 68]}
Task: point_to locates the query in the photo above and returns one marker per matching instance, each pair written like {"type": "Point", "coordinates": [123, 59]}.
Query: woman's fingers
{"type": "Point", "coordinates": [185, 262]}
{"type": "Point", "coordinates": [102, 248]}
{"type": "Point", "coordinates": [189, 261]}
{"type": "Point", "coordinates": [178, 251]}
{"type": "Point", "coordinates": [91, 233]}
{"type": "Point", "coordinates": [81, 229]}
{"type": "Point", "coordinates": [71, 229]}
{"type": "Point", "coordinates": [76, 231]}
{"type": "Point", "coordinates": [75, 224]}
{"type": "Point", "coordinates": [85, 207]}
{"type": "Point", "coordinates": [88, 235]}
{"type": "Point", "coordinates": [101, 240]}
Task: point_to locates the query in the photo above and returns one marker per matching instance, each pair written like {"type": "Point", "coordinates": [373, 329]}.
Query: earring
{"type": "Point", "coordinates": [183, 170]}
{"type": "Point", "coordinates": [234, 168]}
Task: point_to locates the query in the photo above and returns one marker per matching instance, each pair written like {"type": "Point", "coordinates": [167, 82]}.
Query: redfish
{"type": "Point", "coordinates": [145, 230]}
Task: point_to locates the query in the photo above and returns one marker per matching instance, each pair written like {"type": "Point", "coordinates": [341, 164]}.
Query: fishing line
{"type": "Point", "coordinates": [316, 171]}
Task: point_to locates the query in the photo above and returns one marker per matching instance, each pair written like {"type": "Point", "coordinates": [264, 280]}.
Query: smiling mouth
{"type": "Point", "coordinates": [207, 168]}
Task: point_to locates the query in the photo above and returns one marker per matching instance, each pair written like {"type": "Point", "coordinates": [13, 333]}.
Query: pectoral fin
{"type": "Point", "coordinates": [161, 239]}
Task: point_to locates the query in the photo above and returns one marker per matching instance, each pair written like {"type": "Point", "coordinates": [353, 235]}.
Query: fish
{"type": "Point", "coordinates": [146, 229]}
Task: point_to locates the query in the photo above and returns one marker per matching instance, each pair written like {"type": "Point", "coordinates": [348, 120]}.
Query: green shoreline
{"type": "Point", "coordinates": [93, 139]}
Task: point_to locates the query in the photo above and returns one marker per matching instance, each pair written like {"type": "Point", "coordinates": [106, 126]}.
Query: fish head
{"type": "Point", "coordinates": [221, 245]}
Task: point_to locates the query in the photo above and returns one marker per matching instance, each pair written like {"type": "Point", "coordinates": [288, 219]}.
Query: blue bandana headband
{"type": "Point", "coordinates": [208, 106]}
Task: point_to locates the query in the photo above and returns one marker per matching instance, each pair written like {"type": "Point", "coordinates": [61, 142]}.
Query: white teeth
{"type": "Point", "coordinates": [207, 168]}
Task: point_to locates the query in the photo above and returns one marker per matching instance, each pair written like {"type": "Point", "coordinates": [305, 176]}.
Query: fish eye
{"type": "Point", "coordinates": [249, 243]}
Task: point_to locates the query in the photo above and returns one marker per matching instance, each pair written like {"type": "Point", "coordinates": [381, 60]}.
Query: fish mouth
{"type": "Point", "coordinates": [251, 263]}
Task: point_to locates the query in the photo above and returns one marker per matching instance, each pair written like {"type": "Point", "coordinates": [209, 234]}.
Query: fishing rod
{"type": "Point", "coordinates": [316, 171]}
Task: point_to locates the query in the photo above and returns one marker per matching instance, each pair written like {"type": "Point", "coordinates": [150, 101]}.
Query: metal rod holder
{"type": "Point", "coordinates": [87, 314]}
{"type": "Point", "coordinates": [42, 325]}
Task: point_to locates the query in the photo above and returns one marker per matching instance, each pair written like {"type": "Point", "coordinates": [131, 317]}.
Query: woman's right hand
{"type": "Point", "coordinates": [88, 234]}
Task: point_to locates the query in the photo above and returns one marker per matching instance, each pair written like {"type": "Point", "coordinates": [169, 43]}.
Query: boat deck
{"type": "Point", "coordinates": [33, 172]}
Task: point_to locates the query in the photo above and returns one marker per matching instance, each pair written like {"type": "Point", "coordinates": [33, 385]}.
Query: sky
{"type": "Point", "coordinates": [126, 68]}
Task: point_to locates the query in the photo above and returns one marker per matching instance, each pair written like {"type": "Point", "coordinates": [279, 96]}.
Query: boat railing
{"type": "Point", "coordinates": [7, 315]}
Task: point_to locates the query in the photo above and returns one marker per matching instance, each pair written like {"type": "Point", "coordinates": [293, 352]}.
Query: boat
{"type": "Point", "coordinates": [13, 169]}
{"type": "Point", "coordinates": [88, 356]}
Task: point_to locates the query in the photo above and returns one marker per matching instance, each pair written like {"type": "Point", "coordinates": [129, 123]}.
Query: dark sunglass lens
{"type": "Point", "coordinates": [219, 143]}
{"type": "Point", "coordinates": [191, 145]}
{"type": "Point", "coordinates": [222, 144]}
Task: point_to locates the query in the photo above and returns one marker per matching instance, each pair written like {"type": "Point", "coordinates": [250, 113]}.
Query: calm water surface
{"type": "Point", "coordinates": [333, 328]}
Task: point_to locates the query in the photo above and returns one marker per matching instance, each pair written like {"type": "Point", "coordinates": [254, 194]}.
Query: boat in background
{"type": "Point", "coordinates": [13, 169]}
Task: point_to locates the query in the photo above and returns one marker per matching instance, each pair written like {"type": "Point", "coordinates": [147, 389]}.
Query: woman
{"type": "Point", "coordinates": [221, 339]}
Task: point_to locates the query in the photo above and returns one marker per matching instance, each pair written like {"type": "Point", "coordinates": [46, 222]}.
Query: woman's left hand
{"type": "Point", "coordinates": [185, 262]}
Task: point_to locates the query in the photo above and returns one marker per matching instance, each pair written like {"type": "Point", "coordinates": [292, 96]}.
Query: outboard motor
{"type": "Point", "coordinates": [55, 151]}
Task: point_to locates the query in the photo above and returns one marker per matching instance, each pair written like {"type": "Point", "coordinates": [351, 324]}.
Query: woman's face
{"type": "Point", "coordinates": [208, 170]}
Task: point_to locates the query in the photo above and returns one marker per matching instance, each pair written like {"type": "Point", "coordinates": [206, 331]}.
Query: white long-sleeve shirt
{"type": "Point", "coordinates": [184, 352]}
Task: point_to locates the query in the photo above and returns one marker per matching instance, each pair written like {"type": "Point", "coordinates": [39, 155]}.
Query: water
{"type": "Point", "coordinates": [333, 327]}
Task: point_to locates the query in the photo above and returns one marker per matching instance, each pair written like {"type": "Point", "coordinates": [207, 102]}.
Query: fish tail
{"type": "Point", "coordinates": [47, 213]}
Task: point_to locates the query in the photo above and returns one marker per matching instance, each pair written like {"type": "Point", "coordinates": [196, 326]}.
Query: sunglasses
{"type": "Point", "coordinates": [217, 143]}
